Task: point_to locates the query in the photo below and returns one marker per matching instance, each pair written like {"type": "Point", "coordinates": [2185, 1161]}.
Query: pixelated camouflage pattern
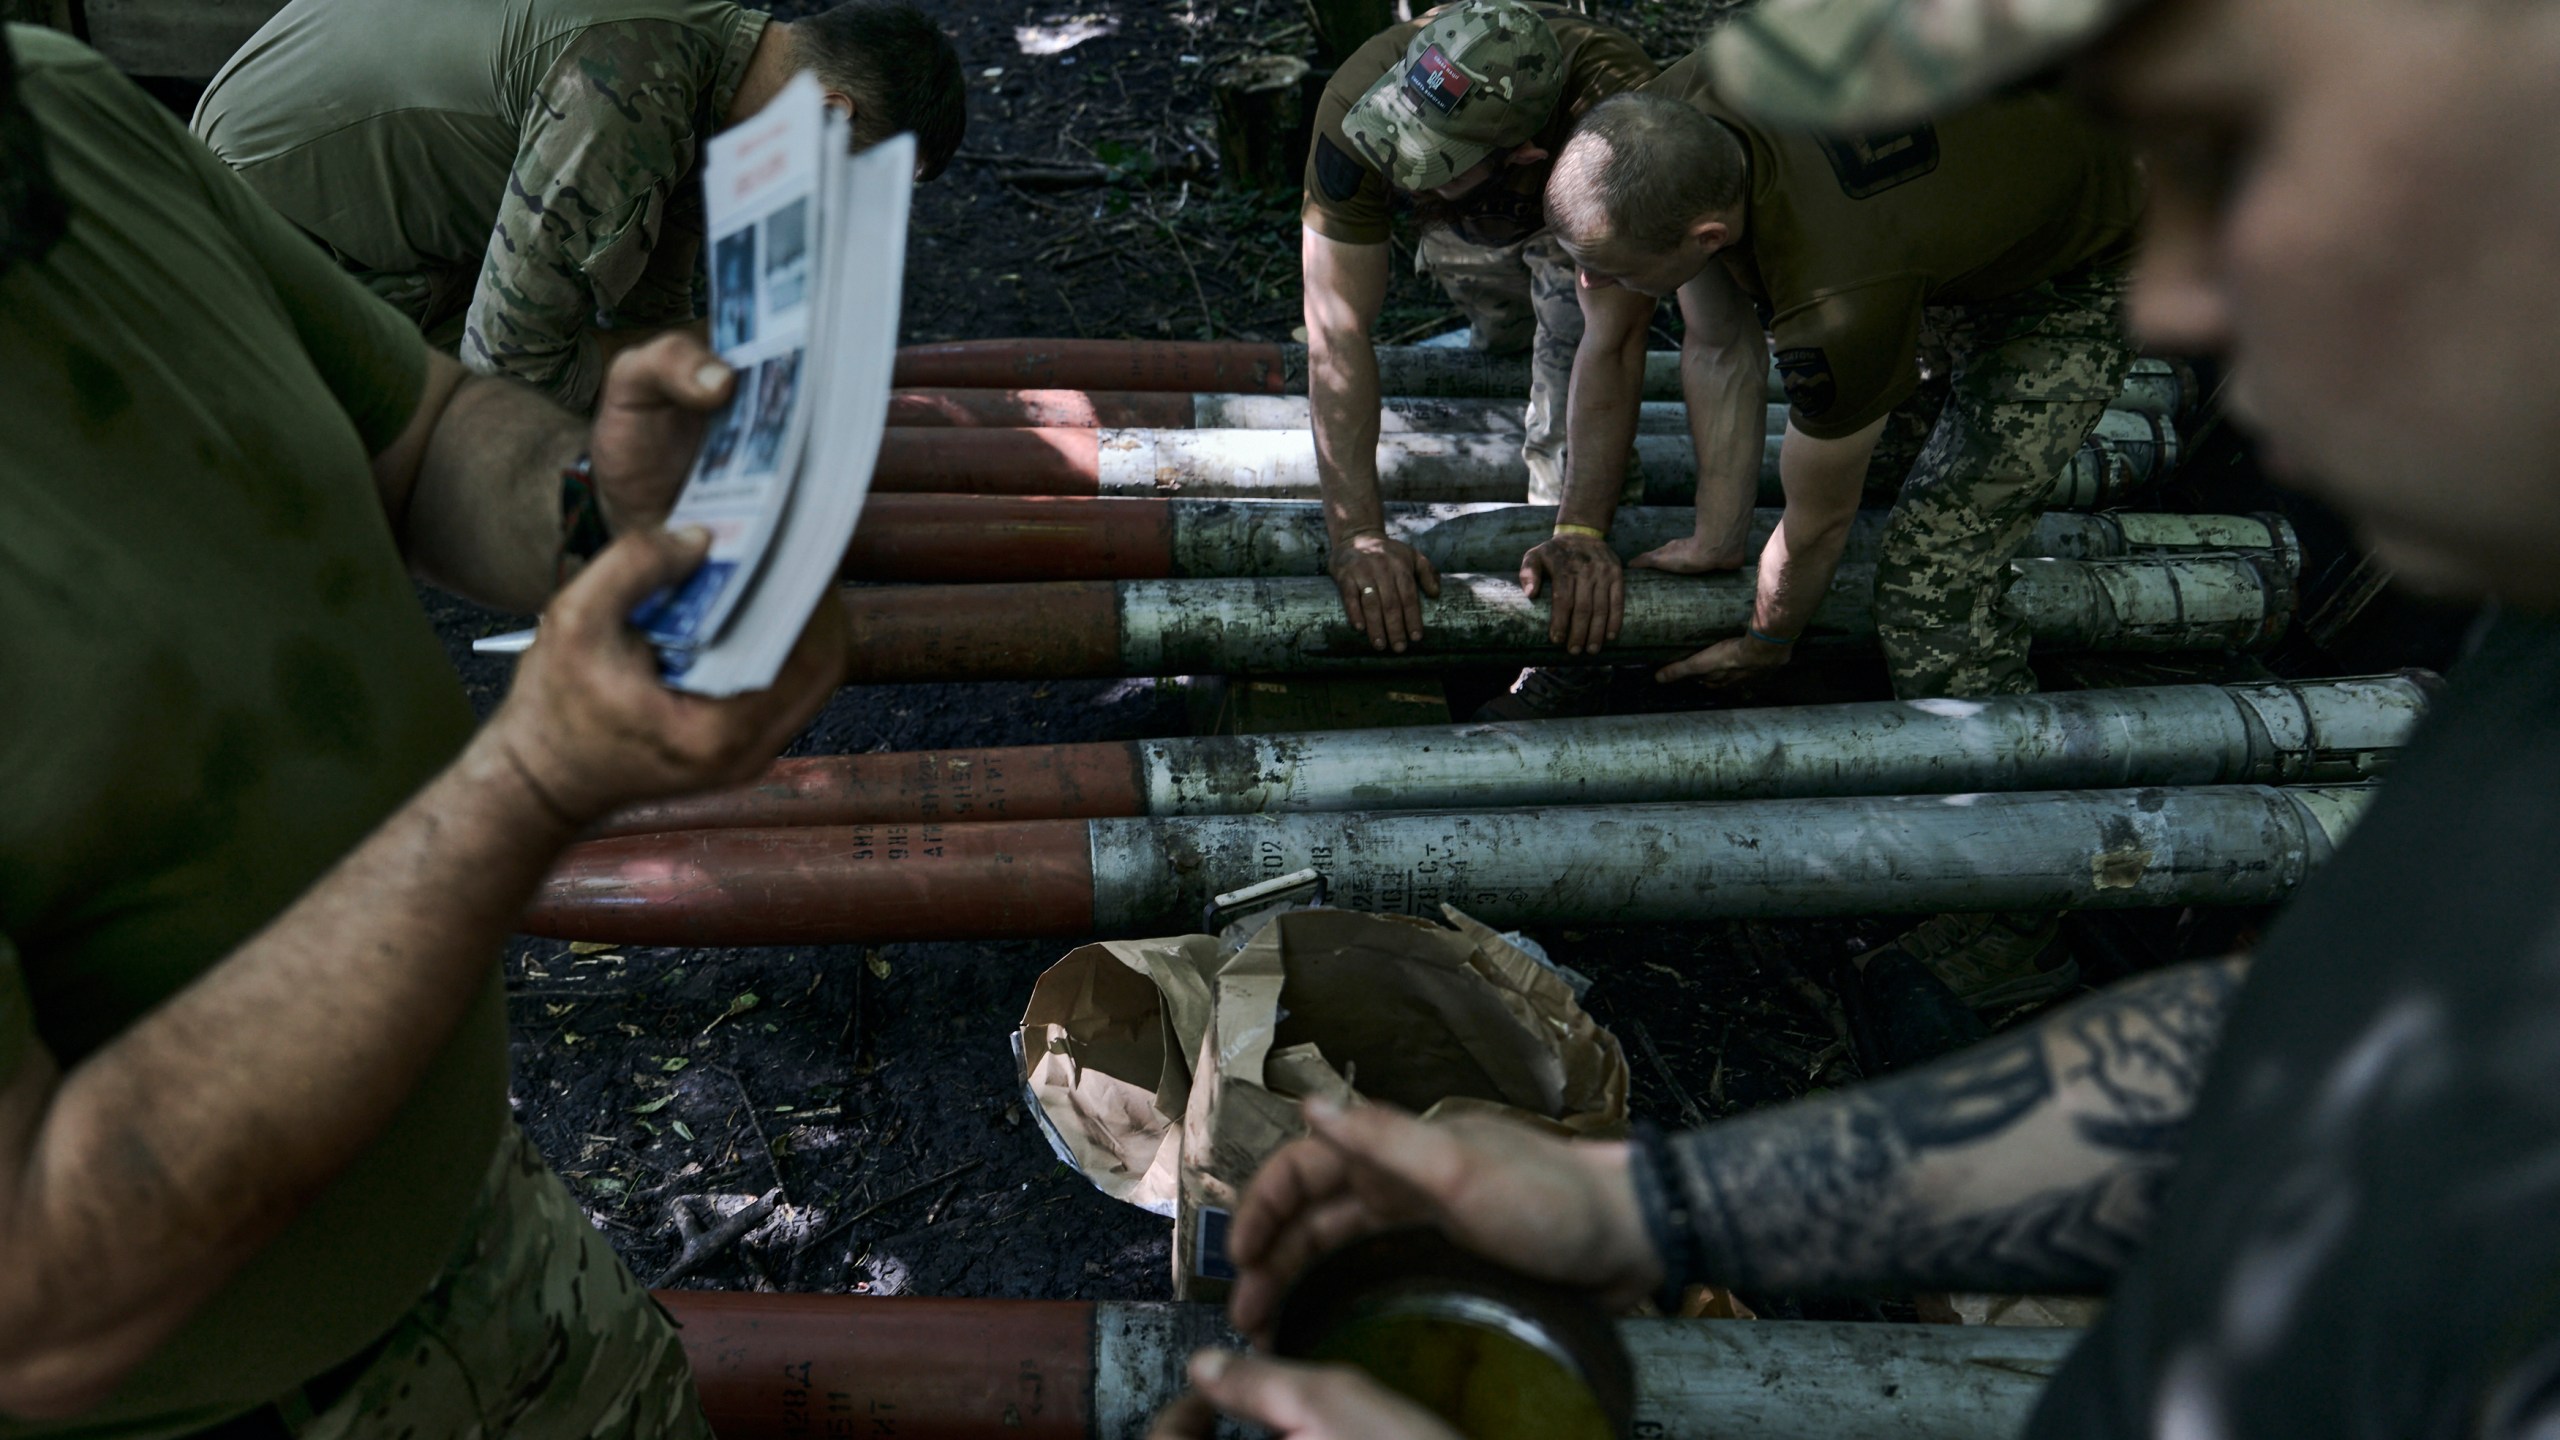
{"type": "Point", "coordinates": [601, 224]}
{"type": "Point", "coordinates": [536, 1332]}
{"type": "Point", "coordinates": [2029, 377]}
{"type": "Point", "coordinates": [1868, 62]}
{"type": "Point", "coordinates": [1514, 70]}
{"type": "Point", "coordinates": [1520, 297]}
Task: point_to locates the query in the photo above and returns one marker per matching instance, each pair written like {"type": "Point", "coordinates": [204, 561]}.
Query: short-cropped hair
{"type": "Point", "coordinates": [900, 70]}
{"type": "Point", "coordinates": [1640, 170]}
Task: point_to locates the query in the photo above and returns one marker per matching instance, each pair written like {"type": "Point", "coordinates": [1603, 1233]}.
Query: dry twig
{"type": "Point", "coordinates": [700, 1244]}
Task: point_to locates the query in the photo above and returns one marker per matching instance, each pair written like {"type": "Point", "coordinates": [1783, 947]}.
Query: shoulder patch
{"type": "Point", "coordinates": [1806, 372]}
{"type": "Point", "coordinates": [1338, 176]}
{"type": "Point", "coordinates": [1869, 165]}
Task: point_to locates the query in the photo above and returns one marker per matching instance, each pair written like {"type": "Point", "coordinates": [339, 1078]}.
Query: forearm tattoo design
{"type": "Point", "coordinates": [2034, 1162]}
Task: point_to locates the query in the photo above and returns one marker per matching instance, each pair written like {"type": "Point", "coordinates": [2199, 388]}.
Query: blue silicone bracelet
{"type": "Point", "coordinates": [1754, 632]}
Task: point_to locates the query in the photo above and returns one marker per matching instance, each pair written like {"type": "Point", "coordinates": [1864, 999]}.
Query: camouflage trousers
{"type": "Point", "coordinates": [1519, 297]}
{"type": "Point", "coordinates": [535, 1329]}
{"type": "Point", "coordinates": [2027, 378]}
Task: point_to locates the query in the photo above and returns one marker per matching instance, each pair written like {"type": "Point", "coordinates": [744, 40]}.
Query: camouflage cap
{"type": "Point", "coordinates": [1479, 77]}
{"type": "Point", "coordinates": [1843, 63]}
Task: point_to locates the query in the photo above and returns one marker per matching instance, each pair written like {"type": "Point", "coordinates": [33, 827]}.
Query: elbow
{"type": "Point", "coordinates": [50, 1380]}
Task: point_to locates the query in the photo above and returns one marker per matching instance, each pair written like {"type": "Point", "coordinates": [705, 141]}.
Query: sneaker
{"type": "Point", "coordinates": [1551, 692]}
{"type": "Point", "coordinates": [1993, 962]}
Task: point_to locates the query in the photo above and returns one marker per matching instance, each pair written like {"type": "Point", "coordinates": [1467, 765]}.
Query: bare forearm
{"type": "Point", "coordinates": [1726, 387]}
{"type": "Point", "coordinates": [1342, 383]}
{"type": "Point", "coordinates": [484, 518]}
{"type": "Point", "coordinates": [1797, 567]}
{"type": "Point", "coordinates": [1600, 426]}
{"type": "Point", "coordinates": [2033, 1162]}
{"type": "Point", "coordinates": [152, 1170]}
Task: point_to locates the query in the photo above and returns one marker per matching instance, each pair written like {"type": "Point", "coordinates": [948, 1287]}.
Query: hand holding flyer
{"type": "Point", "coordinates": [808, 255]}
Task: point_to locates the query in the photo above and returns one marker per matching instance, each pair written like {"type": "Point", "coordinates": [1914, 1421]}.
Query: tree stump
{"type": "Point", "coordinates": [1265, 120]}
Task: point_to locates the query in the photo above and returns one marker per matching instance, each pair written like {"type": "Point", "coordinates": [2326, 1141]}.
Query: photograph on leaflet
{"type": "Point", "coordinates": [786, 257]}
{"type": "Point", "coordinates": [720, 443]}
{"type": "Point", "coordinates": [777, 381]}
{"type": "Point", "coordinates": [733, 315]}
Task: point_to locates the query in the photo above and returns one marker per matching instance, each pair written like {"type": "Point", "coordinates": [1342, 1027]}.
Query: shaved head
{"type": "Point", "coordinates": [1639, 171]}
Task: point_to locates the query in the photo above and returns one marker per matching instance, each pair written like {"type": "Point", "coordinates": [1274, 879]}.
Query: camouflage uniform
{"type": "Point", "coordinates": [554, 197]}
{"type": "Point", "coordinates": [1424, 102]}
{"type": "Point", "coordinates": [1842, 64]}
{"type": "Point", "coordinates": [599, 226]}
{"type": "Point", "coordinates": [2030, 376]}
{"type": "Point", "coordinates": [535, 1330]}
{"type": "Point", "coordinates": [1519, 297]}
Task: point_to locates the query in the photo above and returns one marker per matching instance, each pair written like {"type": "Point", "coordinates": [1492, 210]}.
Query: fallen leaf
{"type": "Point", "coordinates": [570, 1037]}
{"type": "Point", "coordinates": [654, 1106]}
{"type": "Point", "coordinates": [879, 963]}
{"type": "Point", "coordinates": [673, 1063]}
{"type": "Point", "coordinates": [745, 1001]}
{"type": "Point", "coordinates": [589, 947]}
{"type": "Point", "coordinates": [683, 1130]}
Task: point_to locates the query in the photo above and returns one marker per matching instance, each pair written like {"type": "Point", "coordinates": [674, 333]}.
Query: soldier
{"type": "Point", "coordinates": [2320, 1200]}
{"type": "Point", "coordinates": [1462, 112]}
{"type": "Point", "coordinates": [258, 1177]}
{"type": "Point", "coordinates": [518, 176]}
{"type": "Point", "coordinates": [1998, 237]}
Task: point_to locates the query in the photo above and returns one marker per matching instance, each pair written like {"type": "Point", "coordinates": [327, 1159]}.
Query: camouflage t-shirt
{"type": "Point", "coordinates": [523, 164]}
{"type": "Point", "coordinates": [216, 682]}
{"type": "Point", "coordinates": [1849, 238]}
{"type": "Point", "coordinates": [1348, 200]}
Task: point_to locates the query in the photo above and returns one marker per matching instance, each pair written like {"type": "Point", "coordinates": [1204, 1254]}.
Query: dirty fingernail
{"type": "Point", "coordinates": [712, 375]}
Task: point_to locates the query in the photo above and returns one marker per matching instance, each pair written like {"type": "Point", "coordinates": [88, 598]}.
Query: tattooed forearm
{"type": "Point", "coordinates": [2033, 1162]}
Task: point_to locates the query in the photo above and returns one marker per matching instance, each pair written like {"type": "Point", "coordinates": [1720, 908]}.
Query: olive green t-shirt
{"type": "Point", "coordinates": [529, 161]}
{"type": "Point", "coordinates": [1348, 200]}
{"type": "Point", "coordinates": [215, 680]}
{"type": "Point", "coordinates": [1848, 239]}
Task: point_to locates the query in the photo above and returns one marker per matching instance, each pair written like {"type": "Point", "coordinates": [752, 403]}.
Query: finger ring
{"type": "Point", "coordinates": [1368, 589]}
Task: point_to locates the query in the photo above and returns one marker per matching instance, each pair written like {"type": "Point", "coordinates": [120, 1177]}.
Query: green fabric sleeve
{"type": "Point", "coordinates": [612, 133]}
{"type": "Point", "coordinates": [372, 359]}
{"type": "Point", "coordinates": [1848, 357]}
{"type": "Point", "coordinates": [369, 355]}
{"type": "Point", "coordinates": [1343, 198]}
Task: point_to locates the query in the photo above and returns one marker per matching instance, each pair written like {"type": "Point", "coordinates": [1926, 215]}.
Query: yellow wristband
{"type": "Point", "coordinates": [1593, 531]}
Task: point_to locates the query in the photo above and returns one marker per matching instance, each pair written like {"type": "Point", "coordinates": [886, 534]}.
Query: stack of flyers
{"type": "Point", "coordinates": [808, 253]}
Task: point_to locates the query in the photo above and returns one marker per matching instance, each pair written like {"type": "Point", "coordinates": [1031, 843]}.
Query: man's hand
{"type": "Point", "coordinates": [1550, 1208]}
{"type": "Point", "coordinates": [1727, 661]}
{"type": "Point", "coordinates": [1694, 555]}
{"type": "Point", "coordinates": [656, 401]}
{"type": "Point", "coordinates": [1295, 1402]}
{"type": "Point", "coordinates": [1588, 602]}
{"type": "Point", "coordinates": [1383, 582]}
{"type": "Point", "coordinates": [590, 727]}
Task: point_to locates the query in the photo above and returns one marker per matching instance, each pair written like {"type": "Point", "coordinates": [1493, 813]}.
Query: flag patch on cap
{"type": "Point", "coordinates": [1435, 80]}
